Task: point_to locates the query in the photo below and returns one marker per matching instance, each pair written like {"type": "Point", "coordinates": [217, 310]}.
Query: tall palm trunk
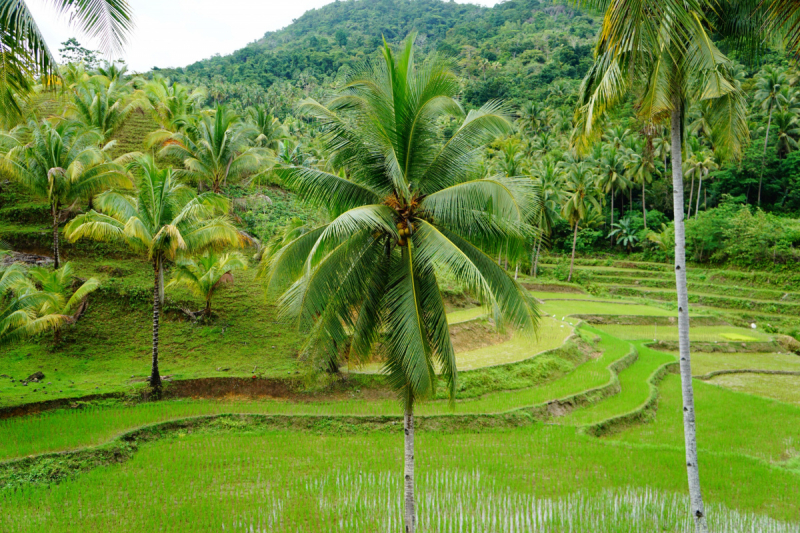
{"type": "Point", "coordinates": [612, 210]}
{"type": "Point", "coordinates": [155, 376]}
{"type": "Point", "coordinates": [54, 210]}
{"type": "Point", "coordinates": [764, 157]}
{"type": "Point", "coordinates": [689, 430]}
{"type": "Point", "coordinates": [572, 261]}
{"type": "Point", "coordinates": [699, 188]}
{"type": "Point", "coordinates": [691, 194]}
{"type": "Point", "coordinates": [535, 268]}
{"type": "Point", "coordinates": [408, 470]}
{"type": "Point", "coordinates": [644, 209]}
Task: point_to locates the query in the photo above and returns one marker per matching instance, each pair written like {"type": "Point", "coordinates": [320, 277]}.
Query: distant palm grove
{"type": "Point", "coordinates": [374, 173]}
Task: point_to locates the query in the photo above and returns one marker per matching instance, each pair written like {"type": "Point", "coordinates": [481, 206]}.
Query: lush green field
{"type": "Point", "coordinates": [284, 481]}
{"type": "Point", "coordinates": [496, 468]}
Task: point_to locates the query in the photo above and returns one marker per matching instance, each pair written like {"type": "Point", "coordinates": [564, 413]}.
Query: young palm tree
{"type": "Point", "coordinates": [164, 221]}
{"type": "Point", "coordinates": [66, 301]}
{"type": "Point", "coordinates": [103, 105]}
{"type": "Point", "coordinates": [172, 104]}
{"type": "Point", "coordinates": [663, 54]}
{"type": "Point", "coordinates": [203, 275]}
{"type": "Point", "coordinates": [580, 188]}
{"type": "Point", "coordinates": [219, 147]}
{"type": "Point", "coordinates": [787, 128]}
{"type": "Point", "coordinates": [19, 303]}
{"type": "Point", "coordinates": [25, 53]}
{"type": "Point", "coordinates": [269, 128]}
{"type": "Point", "coordinates": [61, 164]}
{"type": "Point", "coordinates": [770, 96]}
{"type": "Point", "coordinates": [407, 209]}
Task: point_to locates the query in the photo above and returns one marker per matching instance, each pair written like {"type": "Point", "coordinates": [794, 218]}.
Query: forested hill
{"type": "Point", "coordinates": [510, 51]}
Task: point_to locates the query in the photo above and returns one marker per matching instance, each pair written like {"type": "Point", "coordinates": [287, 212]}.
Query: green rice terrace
{"type": "Point", "coordinates": [419, 266]}
{"type": "Point", "coordinates": [580, 420]}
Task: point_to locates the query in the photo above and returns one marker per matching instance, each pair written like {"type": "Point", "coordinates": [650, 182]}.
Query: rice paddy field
{"type": "Point", "coordinates": [576, 429]}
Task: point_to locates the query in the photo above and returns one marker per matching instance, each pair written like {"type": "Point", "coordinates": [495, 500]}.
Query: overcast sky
{"type": "Point", "coordinates": [175, 33]}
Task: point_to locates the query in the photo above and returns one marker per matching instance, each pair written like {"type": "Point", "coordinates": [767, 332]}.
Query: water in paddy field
{"type": "Point", "coordinates": [466, 502]}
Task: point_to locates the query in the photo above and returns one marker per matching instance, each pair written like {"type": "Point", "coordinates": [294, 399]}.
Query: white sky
{"type": "Point", "coordinates": [176, 33]}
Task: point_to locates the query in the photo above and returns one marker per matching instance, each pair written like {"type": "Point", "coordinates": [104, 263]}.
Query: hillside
{"type": "Point", "coordinates": [513, 50]}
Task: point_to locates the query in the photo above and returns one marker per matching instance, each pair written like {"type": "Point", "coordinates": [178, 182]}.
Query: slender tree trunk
{"type": "Point", "coordinates": [408, 471]}
{"type": "Point", "coordinates": [630, 198]}
{"type": "Point", "coordinates": [691, 194]}
{"type": "Point", "coordinates": [699, 188]}
{"type": "Point", "coordinates": [689, 430]}
{"type": "Point", "coordinates": [572, 261]}
{"type": "Point", "coordinates": [764, 157]}
{"type": "Point", "coordinates": [536, 261]}
{"type": "Point", "coordinates": [155, 376]}
{"type": "Point", "coordinates": [54, 210]}
{"type": "Point", "coordinates": [612, 210]}
{"type": "Point", "coordinates": [644, 209]}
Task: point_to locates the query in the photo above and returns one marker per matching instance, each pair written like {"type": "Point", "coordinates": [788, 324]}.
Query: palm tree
{"type": "Point", "coordinates": [580, 188]}
{"type": "Point", "coordinates": [102, 104]}
{"type": "Point", "coordinates": [666, 48]}
{"type": "Point", "coordinates": [624, 233]}
{"type": "Point", "coordinates": [25, 53]}
{"type": "Point", "coordinates": [770, 96]}
{"type": "Point", "coordinates": [164, 221]}
{"type": "Point", "coordinates": [66, 301]}
{"type": "Point", "coordinates": [787, 127]}
{"type": "Point", "coordinates": [612, 178]}
{"type": "Point", "coordinates": [548, 179]}
{"type": "Point", "coordinates": [219, 147]}
{"type": "Point", "coordinates": [640, 167]}
{"type": "Point", "coordinates": [699, 166]}
{"type": "Point", "coordinates": [269, 128]}
{"type": "Point", "coordinates": [406, 210]}
{"type": "Point", "coordinates": [172, 104]}
{"type": "Point", "coordinates": [61, 163]}
{"type": "Point", "coordinates": [203, 275]}
{"type": "Point", "coordinates": [19, 301]}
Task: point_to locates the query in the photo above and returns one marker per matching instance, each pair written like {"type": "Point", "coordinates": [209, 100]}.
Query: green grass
{"type": "Point", "coordinates": [696, 333]}
{"type": "Point", "coordinates": [703, 363]}
{"type": "Point", "coordinates": [635, 389]}
{"type": "Point", "coordinates": [727, 422]}
{"type": "Point", "coordinates": [68, 429]}
{"type": "Point", "coordinates": [562, 308]}
{"type": "Point", "coordinates": [110, 347]}
{"type": "Point", "coordinates": [782, 388]}
{"type": "Point", "coordinates": [283, 481]}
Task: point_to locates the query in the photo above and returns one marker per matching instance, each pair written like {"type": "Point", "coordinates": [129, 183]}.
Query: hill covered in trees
{"type": "Point", "coordinates": [512, 51]}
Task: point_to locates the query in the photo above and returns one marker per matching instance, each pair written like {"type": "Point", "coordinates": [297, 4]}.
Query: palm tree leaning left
{"type": "Point", "coordinates": [61, 163]}
{"type": "Point", "coordinates": [406, 211]}
{"type": "Point", "coordinates": [164, 221]}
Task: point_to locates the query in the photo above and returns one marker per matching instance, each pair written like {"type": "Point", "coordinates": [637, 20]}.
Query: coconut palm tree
{"type": "Point", "coordinates": [218, 148]}
{"type": "Point", "coordinates": [666, 49]}
{"type": "Point", "coordinates": [61, 163]}
{"type": "Point", "coordinates": [19, 302]}
{"type": "Point", "coordinates": [407, 209]}
{"type": "Point", "coordinates": [102, 104]}
{"type": "Point", "coordinates": [25, 54]}
{"type": "Point", "coordinates": [699, 165]}
{"type": "Point", "coordinates": [580, 188]}
{"type": "Point", "coordinates": [269, 129]}
{"type": "Point", "coordinates": [165, 221]}
{"type": "Point", "coordinates": [203, 275]}
{"type": "Point", "coordinates": [639, 168]}
{"type": "Point", "coordinates": [173, 105]}
{"type": "Point", "coordinates": [612, 176]}
{"type": "Point", "coordinates": [548, 178]}
{"type": "Point", "coordinates": [787, 128]}
{"type": "Point", "coordinates": [770, 96]}
{"type": "Point", "coordinates": [66, 301]}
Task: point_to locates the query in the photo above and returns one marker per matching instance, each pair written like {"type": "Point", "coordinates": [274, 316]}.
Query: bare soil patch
{"type": "Point", "coordinates": [467, 336]}
{"type": "Point", "coordinates": [548, 287]}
